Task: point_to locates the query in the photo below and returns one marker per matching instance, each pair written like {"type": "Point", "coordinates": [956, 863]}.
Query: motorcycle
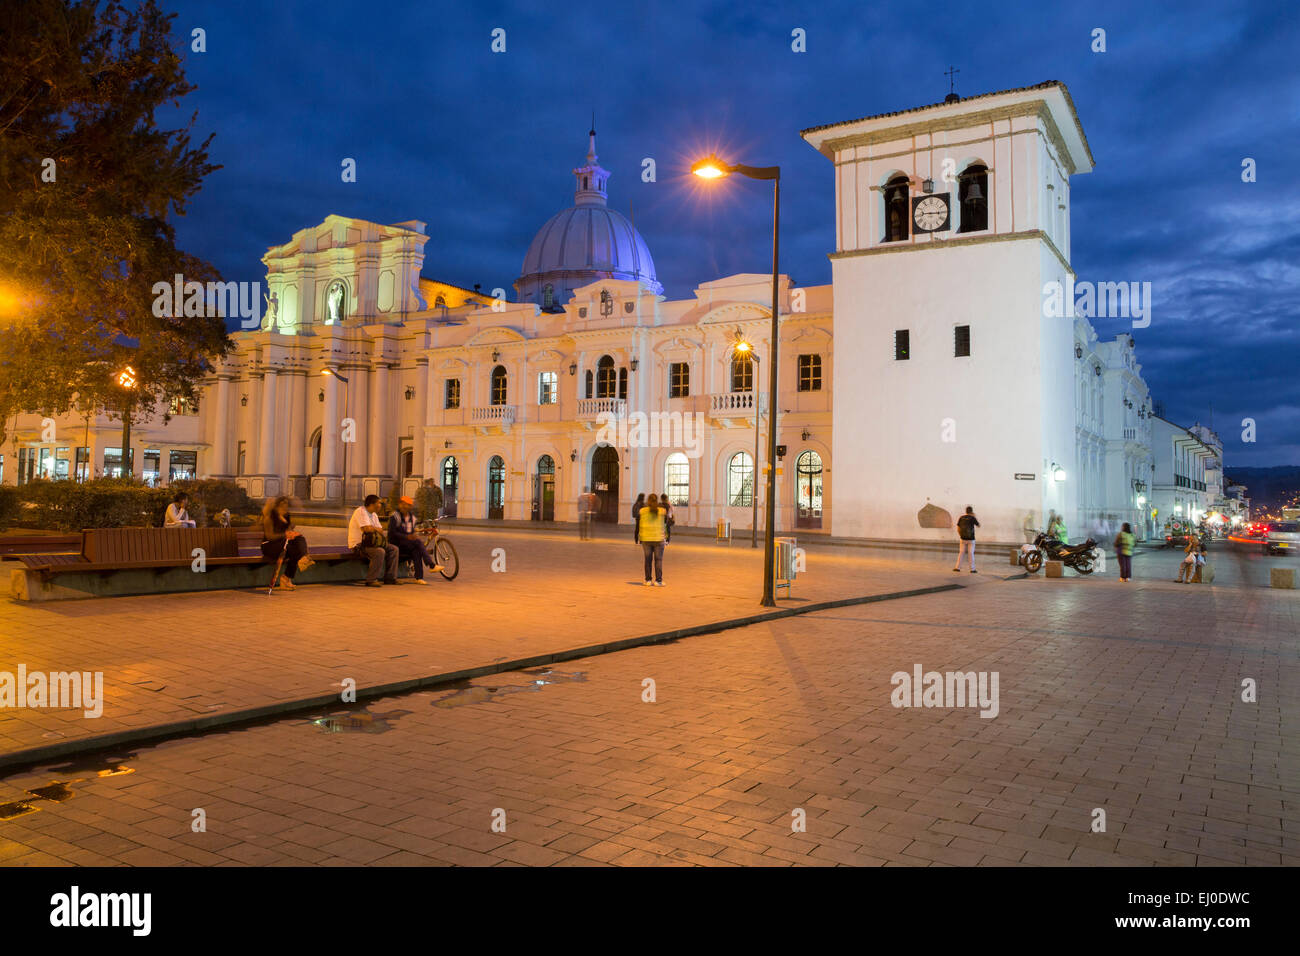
{"type": "Point", "coordinates": [1080, 557]}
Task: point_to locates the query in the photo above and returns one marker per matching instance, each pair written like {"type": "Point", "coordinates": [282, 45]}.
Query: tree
{"type": "Point", "coordinates": [88, 183]}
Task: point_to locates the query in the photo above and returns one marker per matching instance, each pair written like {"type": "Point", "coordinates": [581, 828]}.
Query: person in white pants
{"type": "Point", "coordinates": [966, 526]}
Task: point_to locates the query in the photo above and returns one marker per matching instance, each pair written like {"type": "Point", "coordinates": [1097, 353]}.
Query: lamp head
{"type": "Point", "coordinates": [710, 167]}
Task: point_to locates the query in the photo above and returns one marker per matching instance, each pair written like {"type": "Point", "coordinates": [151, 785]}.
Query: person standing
{"type": "Point", "coordinates": [1124, 552]}
{"type": "Point", "coordinates": [636, 513]}
{"type": "Point", "coordinates": [669, 520]}
{"type": "Point", "coordinates": [966, 526]}
{"type": "Point", "coordinates": [651, 530]}
{"type": "Point", "coordinates": [586, 511]}
{"type": "Point", "coordinates": [279, 536]}
{"type": "Point", "coordinates": [366, 540]}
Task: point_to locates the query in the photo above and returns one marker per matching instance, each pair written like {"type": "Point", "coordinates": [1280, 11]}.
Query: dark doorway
{"type": "Point", "coordinates": [544, 490]}
{"type": "Point", "coordinates": [450, 486]}
{"type": "Point", "coordinates": [808, 484]}
{"type": "Point", "coordinates": [496, 488]}
{"type": "Point", "coordinates": [604, 482]}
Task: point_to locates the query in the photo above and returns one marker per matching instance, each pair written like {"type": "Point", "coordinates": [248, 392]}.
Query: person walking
{"type": "Point", "coordinates": [651, 529]}
{"type": "Point", "coordinates": [1124, 552]}
{"type": "Point", "coordinates": [279, 536]}
{"type": "Point", "coordinates": [966, 526]}
{"type": "Point", "coordinates": [586, 512]}
{"type": "Point", "coordinates": [366, 540]}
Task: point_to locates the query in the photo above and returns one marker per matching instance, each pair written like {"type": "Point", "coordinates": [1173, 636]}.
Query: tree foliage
{"type": "Point", "coordinates": [89, 182]}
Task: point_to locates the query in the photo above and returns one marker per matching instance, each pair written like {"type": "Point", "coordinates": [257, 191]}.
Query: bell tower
{"type": "Point", "coordinates": [952, 386]}
{"type": "Point", "coordinates": [592, 179]}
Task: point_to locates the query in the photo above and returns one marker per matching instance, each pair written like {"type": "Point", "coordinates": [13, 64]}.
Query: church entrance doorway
{"type": "Point", "coordinates": [544, 490]}
{"type": "Point", "coordinates": [808, 485]}
{"type": "Point", "coordinates": [496, 488]}
{"type": "Point", "coordinates": [604, 482]}
{"type": "Point", "coordinates": [450, 486]}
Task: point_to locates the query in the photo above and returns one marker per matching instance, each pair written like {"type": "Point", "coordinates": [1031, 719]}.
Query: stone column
{"type": "Point", "coordinates": [422, 389]}
{"type": "Point", "coordinates": [267, 441]}
{"type": "Point", "coordinates": [296, 407]}
{"type": "Point", "coordinates": [329, 430]}
{"type": "Point", "coordinates": [220, 463]}
{"type": "Point", "coordinates": [379, 423]}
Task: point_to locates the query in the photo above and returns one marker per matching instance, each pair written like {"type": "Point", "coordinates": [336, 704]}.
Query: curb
{"type": "Point", "coordinates": [156, 733]}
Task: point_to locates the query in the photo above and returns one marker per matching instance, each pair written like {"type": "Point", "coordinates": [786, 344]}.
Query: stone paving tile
{"type": "Point", "coordinates": [247, 649]}
{"type": "Point", "coordinates": [1096, 710]}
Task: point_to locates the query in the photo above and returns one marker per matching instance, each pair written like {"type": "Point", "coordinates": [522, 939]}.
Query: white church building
{"type": "Point", "coordinates": [927, 376]}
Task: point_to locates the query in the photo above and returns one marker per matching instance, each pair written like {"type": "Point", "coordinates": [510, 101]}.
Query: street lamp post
{"type": "Point", "coordinates": [714, 168]}
{"type": "Point", "coordinates": [127, 380]}
{"type": "Point", "coordinates": [343, 492]}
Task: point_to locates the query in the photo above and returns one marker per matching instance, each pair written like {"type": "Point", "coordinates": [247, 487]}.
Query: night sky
{"type": "Point", "coordinates": [479, 145]}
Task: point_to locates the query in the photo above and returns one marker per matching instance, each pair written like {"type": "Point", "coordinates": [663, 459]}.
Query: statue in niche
{"type": "Point", "coordinates": [334, 304]}
{"type": "Point", "coordinates": [269, 321]}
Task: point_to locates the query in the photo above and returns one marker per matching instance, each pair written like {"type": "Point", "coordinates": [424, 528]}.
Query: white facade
{"type": "Point", "coordinates": [1183, 462]}
{"type": "Point", "coordinates": [936, 429]}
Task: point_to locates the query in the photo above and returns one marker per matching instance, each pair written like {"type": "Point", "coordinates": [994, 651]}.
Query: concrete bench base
{"type": "Point", "coordinates": [1054, 569]}
{"type": "Point", "coordinates": [1282, 578]}
{"type": "Point", "coordinates": [1015, 558]}
{"type": "Point", "coordinates": [27, 585]}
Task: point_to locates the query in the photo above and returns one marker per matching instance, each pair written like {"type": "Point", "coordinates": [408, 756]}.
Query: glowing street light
{"type": "Point", "coordinates": [711, 167]}
{"type": "Point", "coordinates": [127, 377]}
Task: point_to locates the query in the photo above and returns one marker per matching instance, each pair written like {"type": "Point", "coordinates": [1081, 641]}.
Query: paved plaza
{"type": "Point", "coordinates": [1119, 698]}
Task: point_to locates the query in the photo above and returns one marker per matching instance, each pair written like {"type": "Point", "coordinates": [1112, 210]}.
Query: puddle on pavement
{"type": "Point", "coordinates": [58, 792]}
{"type": "Point", "coordinates": [96, 766]}
{"type": "Point", "coordinates": [11, 811]}
{"type": "Point", "coordinates": [541, 677]}
{"type": "Point", "coordinates": [358, 722]}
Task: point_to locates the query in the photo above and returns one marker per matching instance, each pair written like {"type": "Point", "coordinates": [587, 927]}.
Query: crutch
{"type": "Point", "coordinates": [278, 565]}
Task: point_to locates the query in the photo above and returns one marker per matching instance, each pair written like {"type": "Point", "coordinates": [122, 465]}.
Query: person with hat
{"type": "Point", "coordinates": [401, 532]}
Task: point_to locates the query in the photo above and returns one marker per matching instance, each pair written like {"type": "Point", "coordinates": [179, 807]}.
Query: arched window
{"type": "Point", "coordinates": [590, 379]}
{"type": "Point", "coordinates": [408, 463]}
{"type": "Point", "coordinates": [740, 481]}
{"type": "Point", "coordinates": [605, 377]}
{"type": "Point", "coordinates": [440, 302]}
{"type": "Point", "coordinates": [548, 296]}
{"type": "Point", "coordinates": [496, 487]}
{"type": "Point", "coordinates": [973, 194]}
{"type": "Point", "coordinates": [808, 488]}
{"type": "Point", "coordinates": [546, 465]}
{"type": "Point", "coordinates": [314, 445]}
{"type": "Point", "coordinates": [499, 385]}
{"type": "Point", "coordinates": [450, 474]}
{"type": "Point", "coordinates": [896, 211]}
{"type": "Point", "coordinates": [742, 372]}
{"type": "Point", "coordinates": [677, 478]}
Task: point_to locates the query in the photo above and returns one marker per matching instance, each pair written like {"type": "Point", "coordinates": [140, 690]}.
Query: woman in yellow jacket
{"type": "Point", "coordinates": [651, 531]}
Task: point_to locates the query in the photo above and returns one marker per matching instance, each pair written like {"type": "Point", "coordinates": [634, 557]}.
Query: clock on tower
{"type": "Point", "coordinates": [930, 213]}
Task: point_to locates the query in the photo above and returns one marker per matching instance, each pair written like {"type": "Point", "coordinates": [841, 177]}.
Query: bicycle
{"type": "Point", "coordinates": [440, 546]}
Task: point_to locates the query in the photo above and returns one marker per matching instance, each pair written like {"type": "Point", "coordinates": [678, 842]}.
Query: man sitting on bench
{"type": "Point", "coordinates": [366, 538]}
{"type": "Point", "coordinates": [401, 532]}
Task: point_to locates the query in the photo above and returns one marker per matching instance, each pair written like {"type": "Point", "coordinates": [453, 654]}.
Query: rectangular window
{"type": "Point", "coordinates": [46, 468]}
{"type": "Point", "coordinates": [62, 463]}
{"type": "Point", "coordinates": [961, 341]}
{"type": "Point", "coordinates": [452, 394]}
{"type": "Point", "coordinates": [679, 380]}
{"type": "Point", "coordinates": [113, 462]}
{"type": "Point", "coordinates": [152, 465]}
{"type": "Point", "coordinates": [677, 477]}
{"type": "Point", "coordinates": [83, 463]}
{"type": "Point", "coordinates": [548, 388]}
{"type": "Point", "coordinates": [902, 345]}
{"type": "Point", "coordinates": [810, 373]}
{"type": "Point", "coordinates": [183, 406]}
{"type": "Point", "coordinates": [182, 465]}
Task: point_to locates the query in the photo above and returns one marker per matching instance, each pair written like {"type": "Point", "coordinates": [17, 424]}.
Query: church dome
{"type": "Point", "coordinates": [583, 244]}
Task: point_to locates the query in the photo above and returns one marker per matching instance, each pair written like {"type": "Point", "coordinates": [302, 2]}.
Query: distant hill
{"type": "Point", "coordinates": [1268, 488]}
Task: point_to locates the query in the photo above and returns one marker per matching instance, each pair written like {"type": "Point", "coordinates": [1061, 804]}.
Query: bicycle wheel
{"type": "Point", "coordinates": [444, 552]}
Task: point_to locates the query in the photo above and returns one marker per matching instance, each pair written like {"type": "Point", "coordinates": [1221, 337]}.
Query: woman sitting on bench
{"type": "Point", "coordinates": [278, 535]}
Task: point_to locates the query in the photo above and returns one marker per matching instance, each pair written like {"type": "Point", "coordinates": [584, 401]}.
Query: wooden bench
{"type": "Point", "coordinates": [146, 560]}
{"type": "Point", "coordinates": [12, 545]}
